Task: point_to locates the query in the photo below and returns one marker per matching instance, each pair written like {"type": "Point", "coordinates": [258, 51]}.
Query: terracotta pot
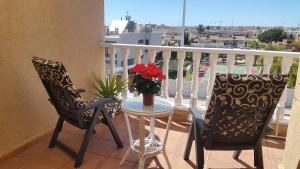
{"type": "Point", "coordinates": [148, 99]}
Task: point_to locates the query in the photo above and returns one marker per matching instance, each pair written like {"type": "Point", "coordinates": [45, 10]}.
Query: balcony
{"type": "Point", "coordinates": [184, 94]}
{"type": "Point", "coordinates": [68, 31]}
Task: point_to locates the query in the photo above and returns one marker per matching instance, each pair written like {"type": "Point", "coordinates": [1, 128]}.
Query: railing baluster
{"type": "Point", "coordinates": [179, 85]}
{"type": "Point", "coordinates": [213, 59]}
{"type": "Point", "coordinates": [195, 86]}
{"type": "Point", "coordinates": [112, 53]}
{"type": "Point", "coordinates": [230, 62]}
{"type": "Point", "coordinates": [286, 63]}
{"type": "Point", "coordinates": [268, 60]}
{"type": "Point", "coordinates": [165, 83]}
{"type": "Point", "coordinates": [151, 55]}
{"type": "Point", "coordinates": [138, 54]}
{"type": "Point", "coordinates": [249, 59]}
{"type": "Point", "coordinates": [124, 54]}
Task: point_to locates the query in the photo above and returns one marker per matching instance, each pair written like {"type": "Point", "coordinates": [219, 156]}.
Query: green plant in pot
{"type": "Point", "coordinates": [109, 88]}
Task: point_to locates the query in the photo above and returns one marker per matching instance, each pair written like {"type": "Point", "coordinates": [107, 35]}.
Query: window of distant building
{"type": "Point", "coordinates": [131, 61]}
{"type": "Point", "coordinates": [106, 52]}
{"type": "Point", "coordinates": [140, 41]}
{"type": "Point", "coordinates": [147, 42]}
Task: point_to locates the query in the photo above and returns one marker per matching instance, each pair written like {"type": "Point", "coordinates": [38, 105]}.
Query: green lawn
{"type": "Point", "coordinates": [239, 69]}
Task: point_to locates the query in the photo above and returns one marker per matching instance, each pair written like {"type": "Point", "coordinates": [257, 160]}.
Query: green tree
{"type": "Point", "coordinates": [297, 45]}
{"type": "Point", "coordinates": [291, 37]}
{"type": "Point", "coordinates": [173, 55]}
{"type": "Point", "coordinates": [270, 35]}
{"type": "Point", "coordinates": [255, 45]}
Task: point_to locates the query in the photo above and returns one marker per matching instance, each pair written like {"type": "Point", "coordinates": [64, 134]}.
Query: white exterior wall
{"type": "Point", "coordinates": [133, 38]}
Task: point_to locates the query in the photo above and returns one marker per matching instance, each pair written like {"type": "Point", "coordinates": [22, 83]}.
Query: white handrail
{"type": "Point", "coordinates": [205, 50]}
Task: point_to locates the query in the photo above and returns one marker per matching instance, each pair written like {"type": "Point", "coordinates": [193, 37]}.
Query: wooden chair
{"type": "Point", "coordinates": [237, 116]}
{"type": "Point", "coordinates": [84, 114]}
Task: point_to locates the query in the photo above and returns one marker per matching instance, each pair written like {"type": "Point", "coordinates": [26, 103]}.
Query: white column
{"type": "Point", "coordinates": [138, 54]}
{"type": "Point", "coordinates": [165, 83]}
{"type": "Point", "coordinates": [179, 84]}
{"type": "Point", "coordinates": [249, 59]}
{"type": "Point", "coordinates": [151, 55]}
{"type": "Point", "coordinates": [230, 62]}
{"type": "Point", "coordinates": [195, 80]}
{"type": "Point", "coordinates": [124, 54]}
{"type": "Point", "coordinates": [268, 60]}
{"type": "Point", "coordinates": [291, 152]}
{"type": "Point", "coordinates": [286, 63]}
{"type": "Point", "coordinates": [213, 58]}
{"type": "Point", "coordinates": [112, 53]}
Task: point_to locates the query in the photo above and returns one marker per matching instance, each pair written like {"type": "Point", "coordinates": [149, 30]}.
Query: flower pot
{"type": "Point", "coordinates": [148, 99]}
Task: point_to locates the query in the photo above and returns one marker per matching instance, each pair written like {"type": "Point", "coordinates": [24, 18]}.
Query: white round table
{"type": "Point", "coordinates": [146, 146]}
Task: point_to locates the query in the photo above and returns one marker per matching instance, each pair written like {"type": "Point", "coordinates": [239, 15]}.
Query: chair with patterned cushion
{"type": "Point", "coordinates": [237, 116]}
{"type": "Point", "coordinates": [66, 99]}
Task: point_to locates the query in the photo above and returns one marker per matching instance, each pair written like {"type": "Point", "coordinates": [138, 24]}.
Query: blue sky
{"type": "Point", "coordinates": [207, 12]}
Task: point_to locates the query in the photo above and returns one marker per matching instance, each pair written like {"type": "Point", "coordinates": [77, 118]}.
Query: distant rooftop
{"type": "Point", "coordinates": [119, 24]}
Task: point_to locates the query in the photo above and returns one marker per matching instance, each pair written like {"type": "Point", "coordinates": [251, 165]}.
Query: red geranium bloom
{"type": "Point", "coordinates": [151, 71]}
{"type": "Point", "coordinates": [162, 77]}
{"type": "Point", "coordinates": [147, 78]}
{"type": "Point", "coordinates": [137, 68]}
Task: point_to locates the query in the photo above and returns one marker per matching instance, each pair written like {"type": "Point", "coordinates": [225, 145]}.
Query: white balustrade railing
{"type": "Point", "coordinates": [137, 50]}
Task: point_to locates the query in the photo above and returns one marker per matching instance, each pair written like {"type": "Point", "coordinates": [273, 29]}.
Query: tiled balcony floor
{"type": "Point", "coordinates": [102, 152]}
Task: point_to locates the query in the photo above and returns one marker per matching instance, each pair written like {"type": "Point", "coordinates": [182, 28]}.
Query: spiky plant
{"type": "Point", "coordinates": [107, 88]}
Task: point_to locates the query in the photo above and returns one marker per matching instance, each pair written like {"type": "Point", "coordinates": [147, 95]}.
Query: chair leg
{"type": "Point", "coordinates": [258, 157]}
{"type": "Point", "coordinates": [94, 131]}
{"type": "Point", "coordinates": [199, 148]}
{"type": "Point", "coordinates": [57, 129]}
{"type": "Point", "coordinates": [85, 142]}
{"type": "Point", "coordinates": [236, 154]}
{"type": "Point", "coordinates": [189, 143]}
{"type": "Point", "coordinates": [112, 130]}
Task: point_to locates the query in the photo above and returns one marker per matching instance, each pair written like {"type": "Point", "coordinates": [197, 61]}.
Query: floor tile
{"type": "Point", "coordinates": [102, 152]}
{"type": "Point", "coordinates": [15, 163]}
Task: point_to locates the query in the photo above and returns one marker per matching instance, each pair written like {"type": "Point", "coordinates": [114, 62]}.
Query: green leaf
{"type": "Point", "coordinates": [107, 87]}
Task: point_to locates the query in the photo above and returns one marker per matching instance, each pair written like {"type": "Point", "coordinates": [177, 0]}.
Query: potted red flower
{"type": "Point", "coordinates": [147, 80]}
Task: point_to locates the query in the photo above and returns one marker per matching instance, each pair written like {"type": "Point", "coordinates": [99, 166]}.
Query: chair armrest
{"type": "Point", "coordinates": [197, 115]}
{"type": "Point", "coordinates": [97, 103]}
{"type": "Point", "coordinates": [77, 91]}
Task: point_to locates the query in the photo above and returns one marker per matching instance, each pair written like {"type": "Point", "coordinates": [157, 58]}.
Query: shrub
{"type": "Point", "coordinates": [173, 73]}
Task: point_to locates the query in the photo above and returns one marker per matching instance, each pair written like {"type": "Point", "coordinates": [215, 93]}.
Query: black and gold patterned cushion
{"type": "Point", "coordinates": [112, 109]}
{"type": "Point", "coordinates": [55, 74]}
{"type": "Point", "coordinates": [240, 102]}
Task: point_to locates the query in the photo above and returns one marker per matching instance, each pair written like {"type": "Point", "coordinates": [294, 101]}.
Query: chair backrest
{"type": "Point", "coordinates": [59, 87]}
{"type": "Point", "coordinates": [242, 105]}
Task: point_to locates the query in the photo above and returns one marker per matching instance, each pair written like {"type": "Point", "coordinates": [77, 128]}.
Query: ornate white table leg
{"type": "Point", "coordinates": [167, 160]}
{"type": "Point", "coordinates": [142, 142]}
{"type": "Point", "coordinates": [152, 126]}
{"type": "Point", "coordinates": [141, 163]}
{"type": "Point", "coordinates": [165, 141]}
{"type": "Point", "coordinates": [130, 139]}
{"type": "Point", "coordinates": [125, 155]}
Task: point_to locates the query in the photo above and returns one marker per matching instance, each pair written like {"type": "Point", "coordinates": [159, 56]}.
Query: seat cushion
{"type": "Point", "coordinates": [111, 108]}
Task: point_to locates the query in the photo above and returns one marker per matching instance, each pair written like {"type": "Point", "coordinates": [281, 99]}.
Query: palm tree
{"type": "Point", "coordinates": [200, 28]}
